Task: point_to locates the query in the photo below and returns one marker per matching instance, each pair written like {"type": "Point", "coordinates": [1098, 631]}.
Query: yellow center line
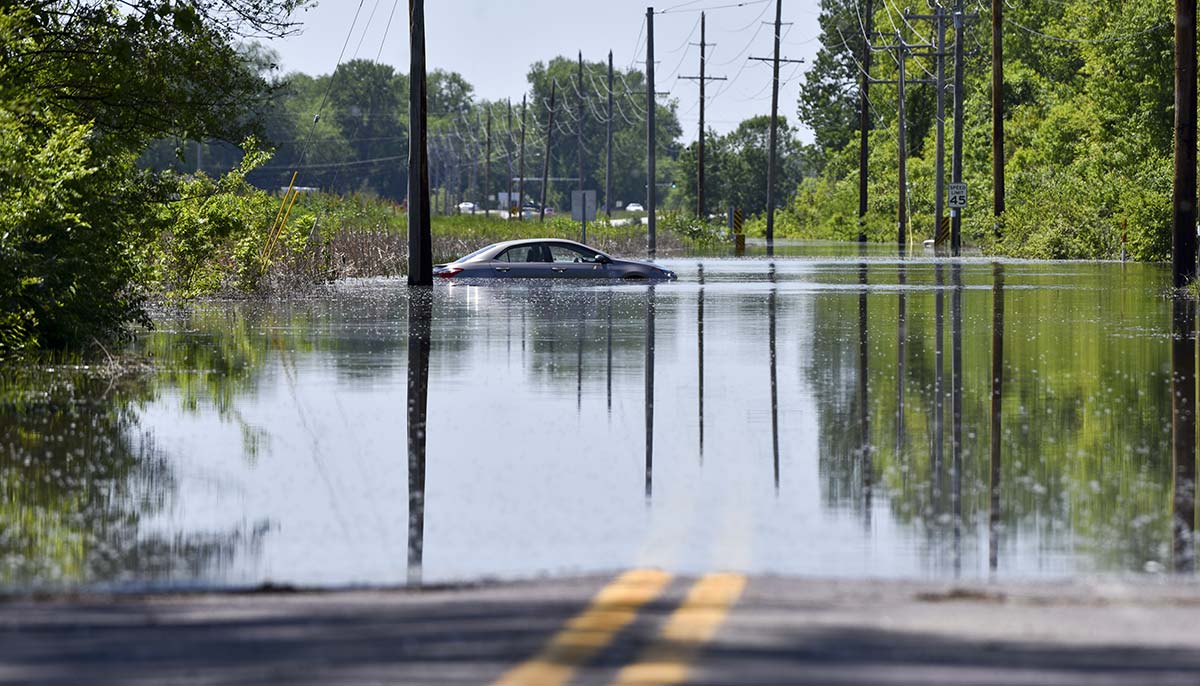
{"type": "Point", "coordinates": [586, 634]}
{"type": "Point", "coordinates": [665, 661]}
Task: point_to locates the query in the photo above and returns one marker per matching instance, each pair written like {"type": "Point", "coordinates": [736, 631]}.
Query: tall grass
{"type": "Point", "coordinates": [355, 236]}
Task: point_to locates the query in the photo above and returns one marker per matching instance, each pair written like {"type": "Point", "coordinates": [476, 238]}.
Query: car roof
{"type": "Point", "coordinates": [497, 248]}
{"type": "Point", "coordinates": [524, 241]}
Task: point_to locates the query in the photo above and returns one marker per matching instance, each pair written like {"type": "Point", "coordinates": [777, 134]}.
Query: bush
{"type": "Point", "coordinates": [71, 218]}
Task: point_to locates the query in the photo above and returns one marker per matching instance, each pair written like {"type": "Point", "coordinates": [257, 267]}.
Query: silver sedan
{"type": "Point", "coordinates": [542, 258]}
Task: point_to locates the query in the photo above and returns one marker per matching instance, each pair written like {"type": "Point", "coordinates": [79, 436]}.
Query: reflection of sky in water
{"type": "Point", "coordinates": [529, 471]}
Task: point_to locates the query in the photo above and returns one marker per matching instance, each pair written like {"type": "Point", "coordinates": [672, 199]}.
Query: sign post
{"type": "Point", "coordinates": [583, 209]}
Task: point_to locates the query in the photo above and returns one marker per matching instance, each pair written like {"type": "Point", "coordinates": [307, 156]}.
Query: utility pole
{"type": "Point", "coordinates": [608, 160]}
{"type": "Point", "coordinates": [420, 239]}
{"type": "Point", "coordinates": [546, 160]}
{"type": "Point", "coordinates": [940, 162]}
{"type": "Point", "coordinates": [508, 153]}
{"type": "Point", "coordinates": [475, 176]}
{"type": "Point", "coordinates": [1183, 245]}
{"type": "Point", "coordinates": [773, 138]}
{"type": "Point", "coordinates": [521, 167]}
{"type": "Point", "coordinates": [864, 120]}
{"type": "Point", "coordinates": [997, 114]}
{"type": "Point", "coordinates": [651, 105]}
{"type": "Point", "coordinates": [700, 141]}
{"type": "Point", "coordinates": [939, 184]}
{"type": "Point", "coordinates": [902, 52]}
{"type": "Point", "coordinates": [902, 152]}
{"type": "Point", "coordinates": [579, 137]}
{"type": "Point", "coordinates": [487, 162]}
{"type": "Point", "coordinates": [960, 26]}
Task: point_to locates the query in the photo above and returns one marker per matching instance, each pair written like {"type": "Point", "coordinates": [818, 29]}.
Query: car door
{"type": "Point", "coordinates": [572, 262]}
{"type": "Point", "coordinates": [525, 261]}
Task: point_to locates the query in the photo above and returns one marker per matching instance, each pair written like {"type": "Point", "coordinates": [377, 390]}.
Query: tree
{"type": "Point", "coordinates": [829, 100]}
{"type": "Point", "coordinates": [85, 86]}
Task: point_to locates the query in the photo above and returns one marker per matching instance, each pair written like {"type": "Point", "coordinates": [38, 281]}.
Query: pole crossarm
{"type": "Point", "coordinates": [781, 60]}
{"type": "Point", "coordinates": [894, 82]}
{"type": "Point", "coordinates": [706, 78]}
{"type": "Point", "coordinates": [950, 15]}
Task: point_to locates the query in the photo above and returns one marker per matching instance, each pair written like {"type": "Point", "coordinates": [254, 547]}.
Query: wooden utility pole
{"type": "Point", "coordinates": [902, 50]}
{"type": "Point", "coordinates": [997, 113]}
{"type": "Point", "coordinates": [475, 176]}
{"type": "Point", "coordinates": [521, 166]}
{"type": "Point", "coordinates": [939, 184]}
{"type": "Point", "coordinates": [864, 118]}
{"type": "Point", "coordinates": [546, 159]}
{"type": "Point", "coordinates": [608, 203]}
{"type": "Point", "coordinates": [1183, 245]}
{"type": "Point", "coordinates": [773, 137]}
{"type": "Point", "coordinates": [902, 150]}
{"type": "Point", "coordinates": [420, 239]}
{"type": "Point", "coordinates": [700, 140]}
{"type": "Point", "coordinates": [579, 137]}
{"type": "Point", "coordinates": [960, 39]}
{"type": "Point", "coordinates": [774, 133]}
{"type": "Point", "coordinates": [651, 105]}
{"type": "Point", "coordinates": [508, 138]}
{"type": "Point", "coordinates": [939, 189]}
{"type": "Point", "coordinates": [487, 162]}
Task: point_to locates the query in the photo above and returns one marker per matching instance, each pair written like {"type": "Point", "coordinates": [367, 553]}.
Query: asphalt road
{"type": "Point", "coordinates": [637, 628]}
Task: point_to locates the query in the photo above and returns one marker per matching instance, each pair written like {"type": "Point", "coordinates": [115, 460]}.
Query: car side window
{"type": "Point", "coordinates": [567, 253]}
{"type": "Point", "coordinates": [522, 253]}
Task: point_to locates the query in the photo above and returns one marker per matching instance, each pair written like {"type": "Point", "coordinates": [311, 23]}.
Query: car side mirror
{"type": "Point", "coordinates": [603, 259]}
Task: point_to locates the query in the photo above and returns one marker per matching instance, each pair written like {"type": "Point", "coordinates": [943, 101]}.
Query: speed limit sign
{"type": "Point", "coordinates": [957, 196]}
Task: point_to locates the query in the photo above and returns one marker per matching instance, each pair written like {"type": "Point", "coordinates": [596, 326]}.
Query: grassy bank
{"type": "Point", "coordinates": [329, 237]}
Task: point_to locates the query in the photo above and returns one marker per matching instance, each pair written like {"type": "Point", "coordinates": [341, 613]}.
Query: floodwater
{"type": "Point", "coordinates": [806, 415]}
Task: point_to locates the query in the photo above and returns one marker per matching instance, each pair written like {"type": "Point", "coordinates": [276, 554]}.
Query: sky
{"type": "Point", "coordinates": [492, 44]}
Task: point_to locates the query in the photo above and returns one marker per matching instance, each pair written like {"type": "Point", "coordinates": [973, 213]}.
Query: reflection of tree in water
{"type": "Point", "coordinates": [1085, 413]}
{"type": "Point", "coordinates": [79, 479]}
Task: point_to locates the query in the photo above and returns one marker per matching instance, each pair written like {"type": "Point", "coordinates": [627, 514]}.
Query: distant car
{"type": "Point", "coordinates": [635, 207]}
{"type": "Point", "coordinates": [534, 210]}
{"type": "Point", "coordinates": [466, 206]}
{"type": "Point", "coordinates": [541, 258]}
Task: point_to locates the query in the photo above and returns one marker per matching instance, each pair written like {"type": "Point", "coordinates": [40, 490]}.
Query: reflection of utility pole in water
{"type": "Point", "coordinates": [649, 397]}
{"type": "Point", "coordinates": [997, 404]}
{"type": "Point", "coordinates": [608, 369]}
{"type": "Point", "coordinates": [700, 358]}
{"type": "Point", "coordinates": [864, 417]}
{"type": "Point", "coordinates": [420, 311]}
{"type": "Point", "coordinates": [956, 371]}
{"type": "Point", "coordinates": [1183, 432]}
{"type": "Point", "coordinates": [901, 366]}
{"type": "Point", "coordinates": [580, 334]}
{"type": "Point", "coordinates": [939, 391]}
{"type": "Point", "coordinates": [774, 383]}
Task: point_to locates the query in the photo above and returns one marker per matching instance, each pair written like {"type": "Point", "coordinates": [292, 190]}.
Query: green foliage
{"type": "Point", "coordinates": [214, 232]}
{"type": "Point", "coordinates": [736, 168]}
{"type": "Point", "coordinates": [84, 88]}
{"type": "Point", "coordinates": [1088, 104]}
{"type": "Point", "coordinates": [69, 220]}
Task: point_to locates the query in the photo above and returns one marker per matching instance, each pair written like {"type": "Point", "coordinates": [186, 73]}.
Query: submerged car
{"type": "Point", "coordinates": [552, 258]}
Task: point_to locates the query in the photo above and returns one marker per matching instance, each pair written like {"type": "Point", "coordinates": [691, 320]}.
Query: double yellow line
{"type": "Point", "coordinates": [664, 661]}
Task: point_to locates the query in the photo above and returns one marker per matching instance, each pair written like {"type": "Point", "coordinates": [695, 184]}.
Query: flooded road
{"type": "Point", "coordinates": [816, 416]}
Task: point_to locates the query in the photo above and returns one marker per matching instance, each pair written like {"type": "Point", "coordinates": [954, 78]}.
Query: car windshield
{"type": "Point", "coordinates": [478, 252]}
